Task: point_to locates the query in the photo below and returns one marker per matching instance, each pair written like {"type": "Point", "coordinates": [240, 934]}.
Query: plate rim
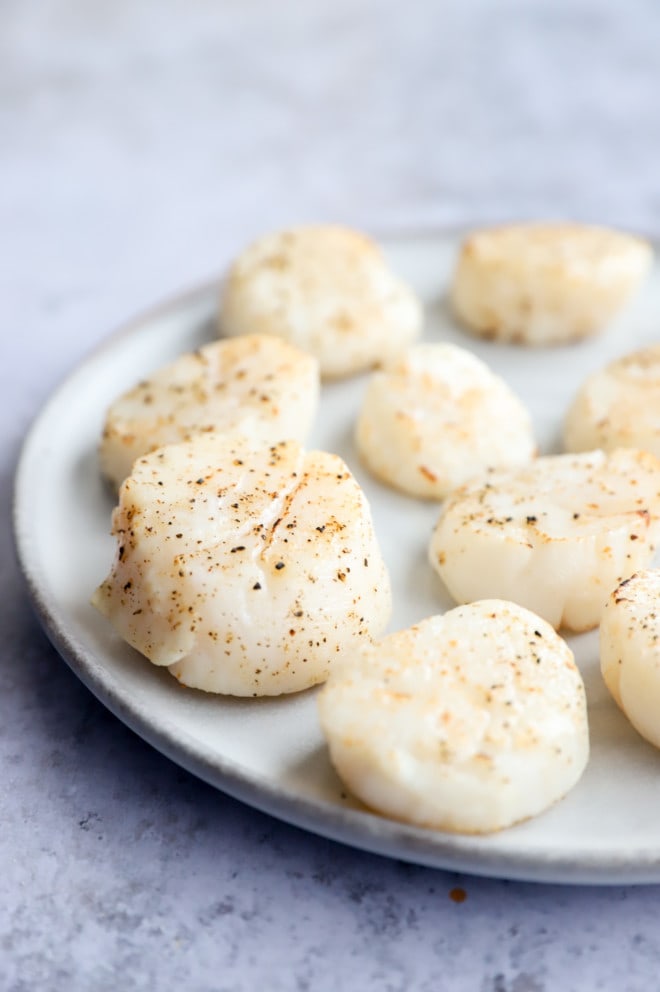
{"type": "Point", "coordinates": [359, 829]}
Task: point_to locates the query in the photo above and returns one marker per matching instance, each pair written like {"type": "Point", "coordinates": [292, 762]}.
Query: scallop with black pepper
{"type": "Point", "coordinates": [244, 569]}
{"type": "Point", "coordinates": [630, 651]}
{"type": "Point", "coordinates": [555, 536]}
{"type": "Point", "coordinates": [466, 722]}
{"type": "Point", "coordinates": [258, 386]}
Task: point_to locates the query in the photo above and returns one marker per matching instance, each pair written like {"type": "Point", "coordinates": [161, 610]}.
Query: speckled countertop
{"type": "Point", "coordinates": [141, 145]}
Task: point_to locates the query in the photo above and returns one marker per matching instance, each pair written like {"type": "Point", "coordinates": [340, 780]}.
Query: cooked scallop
{"type": "Point", "coordinates": [466, 722]}
{"type": "Point", "coordinates": [438, 417]}
{"type": "Point", "coordinates": [544, 284]}
{"type": "Point", "coordinates": [556, 536]}
{"type": "Point", "coordinates": [258, 386]}
{"type": "Point", "coordinates": [630, 651]}
{"type": "Point", "coordinates": [329, 291]}
{"type": "Point", "coordinates": [618, 406]}
{"type": "Point", "coordinates": [244, 569]}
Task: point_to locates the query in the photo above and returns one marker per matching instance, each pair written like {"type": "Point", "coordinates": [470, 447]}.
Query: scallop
{"type": "Point", "coordinates": [630, 651]}
{"type": "Point", "coordinates": [326, 289]}
{"type": "Point", "coordinates": [555, 536]}
{"type": "Point", "coordinates": [545, 284]}
{"type": "Point", "coordinates": [436, 418]}
{"type": "Point", "coordinates": [466, 722]}
{"type": "Point", "coordinates": [244, 569]}
{"type": "Point", "coordinates": [257, 386]}
{"type": "Point", "coordinates": [618, 406]}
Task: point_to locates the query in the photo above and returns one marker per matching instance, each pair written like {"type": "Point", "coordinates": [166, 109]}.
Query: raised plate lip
{"type": "Point", "coordinates": [356, 828]}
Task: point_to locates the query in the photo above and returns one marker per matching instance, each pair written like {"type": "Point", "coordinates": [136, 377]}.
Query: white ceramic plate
{"type": "Point", "coordinates": [270, 753]}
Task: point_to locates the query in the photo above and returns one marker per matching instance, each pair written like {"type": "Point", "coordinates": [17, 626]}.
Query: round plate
{"type": "Point", "coordinates": [269, 752]}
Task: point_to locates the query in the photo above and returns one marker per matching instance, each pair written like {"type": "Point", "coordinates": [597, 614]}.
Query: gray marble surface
{"type": "Point", "coordinates": [141, 145]}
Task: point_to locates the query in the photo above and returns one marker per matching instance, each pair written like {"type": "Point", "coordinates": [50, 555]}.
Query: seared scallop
{"type": "Point", "coordinates": [329, 291]}
{"type": "Point", "coordinates": [466, 722]}
{"type": "Point", "coordinates": [258, 386]}
{"type": "Point", "coordinates": [436, 418]}
{"type": "Point", "coordinates": [244, 569]}
{"type": "Point", "coordinates": [544, 284]}
{"type": "Point", "coordinates": [556, 536]}
{"type": "Point", "coordinates": [630, 651]}
{"type": "Point", "coordinates": [618, 406]}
